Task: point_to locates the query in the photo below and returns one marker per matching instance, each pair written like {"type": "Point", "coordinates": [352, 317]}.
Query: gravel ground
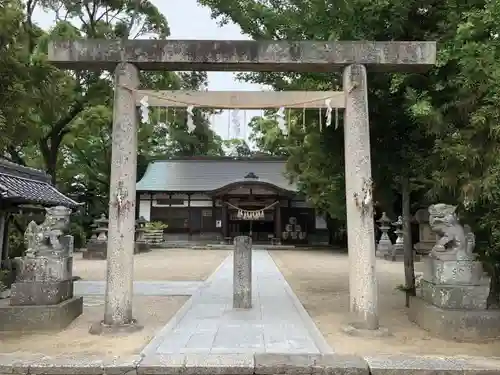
{"type": "Point", "coordinates": [151, 312]}
{"type": "Point", "coordinates": [320, 280]}
{"type": "Point", "coordinates": [158, 264]}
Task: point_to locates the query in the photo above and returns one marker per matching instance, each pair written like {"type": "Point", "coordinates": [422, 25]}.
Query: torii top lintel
{"type": "Point", "coordinates": [238, 55]}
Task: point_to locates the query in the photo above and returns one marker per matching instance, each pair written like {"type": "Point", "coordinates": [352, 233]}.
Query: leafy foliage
{"type": "Point", "coordinates": [438, 130]}
{"type": "Point", "coordinates": [61, 121]}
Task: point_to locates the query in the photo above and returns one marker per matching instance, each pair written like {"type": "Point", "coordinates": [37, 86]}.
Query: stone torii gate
{"type": "Point", "coordinates": [127, 57]}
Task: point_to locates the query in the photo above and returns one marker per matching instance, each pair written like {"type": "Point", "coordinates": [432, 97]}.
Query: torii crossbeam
{"type": "Point", "coordinates": [243, 99]}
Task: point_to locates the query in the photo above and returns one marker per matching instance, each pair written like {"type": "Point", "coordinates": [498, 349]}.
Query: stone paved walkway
{"type": "Point", "coordinates": [207, 323]}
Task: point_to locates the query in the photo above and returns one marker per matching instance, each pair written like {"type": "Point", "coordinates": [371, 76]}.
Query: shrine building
{"type": "Point", "coordinates": [219, 198]}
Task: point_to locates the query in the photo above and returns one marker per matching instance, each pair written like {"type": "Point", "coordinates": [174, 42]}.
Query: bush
{"type": "Point", "coordinates": [156, 225]}
{"type": "Point", "coordinates": [3, 283]}
{"type": "Point", "coordinates": [16, 242]}
{"type": "Point", "coordinates": [79, 236]}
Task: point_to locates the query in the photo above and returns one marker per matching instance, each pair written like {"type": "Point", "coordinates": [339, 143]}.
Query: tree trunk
{"type": "Point", "coordinates": [408, 247]}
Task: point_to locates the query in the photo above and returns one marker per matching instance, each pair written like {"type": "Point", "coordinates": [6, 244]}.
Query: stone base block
{"type": "Point", "coordinates": [472, 297]}
{"type": "Point", "coordinates": [381, 254]}
{"type": "Point", "coordinates": [42, 269]}
{"type": "Point", "coordinates": [141, 247]}
{"type": "Point", "coordinates": [454, 272]}
{"type": "Point", "coordinates": [400, 257]}
{"type": "Point", "coordinates": [358, 329]}
{"type": "Point", "coordinates": [26, 293]}
{"type": "Point", "coordinates": [99, 328]}
{"type": "Point", "coordinates": [96, 250]}
{"type": "Point", "coordinates": [39, 318]}
{"type": "Point", "coordinates": [424, 248]}
{"type": "Point", "coordinates": [457, 325]}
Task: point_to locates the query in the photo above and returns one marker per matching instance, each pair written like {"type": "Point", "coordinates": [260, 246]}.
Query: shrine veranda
{"type": "Point", "coordinates": [127, 57]}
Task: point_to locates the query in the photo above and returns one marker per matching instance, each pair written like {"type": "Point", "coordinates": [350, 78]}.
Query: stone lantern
{"type": "Point", "coordinates": [98, 244]}
{"type": "Point", "coordinates": [398, 249]}
{"type": "Point", "coordinates": [384, 245]}
{"type": "Point", "coordinates": [141, 245]}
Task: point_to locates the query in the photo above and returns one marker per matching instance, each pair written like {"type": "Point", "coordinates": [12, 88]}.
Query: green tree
{"type": "Point", "coordinates": [237, 148]}
{"type": "Point", "coordinates": [437, 129]}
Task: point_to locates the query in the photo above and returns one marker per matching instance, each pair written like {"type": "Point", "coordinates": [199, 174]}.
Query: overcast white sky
{"type": "Point", "coordinates": [188, 20]}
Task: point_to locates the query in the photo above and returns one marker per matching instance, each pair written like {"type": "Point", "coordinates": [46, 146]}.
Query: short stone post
{"type": "Point", "coordinates": [121, 231]}
{"type": "Point", "coordinates": [242, 273]}
{"type": "Point", "coordinates": [358, 179]}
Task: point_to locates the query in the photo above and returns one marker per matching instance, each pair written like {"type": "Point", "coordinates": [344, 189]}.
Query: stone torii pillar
{"type": "Point", "coordinates": [363, 292]}
{"type": "Point", "coordinates": [263, 56]}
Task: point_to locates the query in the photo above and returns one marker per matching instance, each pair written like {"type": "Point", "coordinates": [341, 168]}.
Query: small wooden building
{"type": "Point", "coordinates": [219, 198]}
{"type": "Point", "coordinates": [26, 189]}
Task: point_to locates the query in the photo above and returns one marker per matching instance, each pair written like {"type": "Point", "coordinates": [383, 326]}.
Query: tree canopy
{"type": "Point", "coordinates": [60, 121]}
{"type": "Point", "coordinates": [437, 130]}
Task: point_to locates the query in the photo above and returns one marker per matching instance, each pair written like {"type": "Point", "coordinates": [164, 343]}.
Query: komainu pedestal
{"type": "Point", "coordinates": [42, 295]}
{"type": "Point", "coordinates": [451, 301]}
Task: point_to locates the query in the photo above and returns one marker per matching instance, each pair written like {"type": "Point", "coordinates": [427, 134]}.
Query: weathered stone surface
{"type": "Point", "coordinates": [122, 366]}
{"type": "Point", "coordinates": [459, 325]}
{"type": "Point", "coordinates": [400, 257]}
{"type": "Point", "coordinates": [121, 229]}
{"type": "Point", "coordinates": [96, 250]}
{"type": "Point", "coordinates": [336, 364]}
{"type": "Point", "coordinates": [39, 317]}
{"type": "Point", "coordinates": [214, 364]}
{"type": "Point", "coordinates": [430, 365]}
{"type": "Point", "coordinates": [141, 247]}
{"type": "Point", "coordinates": [220, 365]}
{"type": "Point", "coordinates": [298, 364]}
{"type": "Point", "coordinates": [43, 269]}
{"type": "Point", "coordinates": [27, 293]}
{"type": "Point", "coordinates": [358, 329]}
{"type": "Point", "coordinates": [242, 273]}
{"type": "Point", "coordinates": [67, 366]}
{"type": "Point", "coordinates": [238, 55]}
{"type": "Point", "coordinates": [471, 297]}
{"type": "Point", "coordinates": [454, 272]}
{"type": "Point", "coordinates": [10, 365]}
{"type": "Point", "coordinates": [163, 364]}
{"type": "Point", "coordinates": [290, 364]}
{"type": "Point", "coordinates": [358, 180]}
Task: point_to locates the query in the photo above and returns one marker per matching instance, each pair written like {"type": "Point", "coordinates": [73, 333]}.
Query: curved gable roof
{"type": "Point", "coordinates": [209, 175]}
{"type": "Point", "coordinates": [21, 184]}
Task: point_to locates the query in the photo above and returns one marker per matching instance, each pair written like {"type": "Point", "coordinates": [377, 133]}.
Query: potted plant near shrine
{"type": "Point", "coordinates": [154, 232]}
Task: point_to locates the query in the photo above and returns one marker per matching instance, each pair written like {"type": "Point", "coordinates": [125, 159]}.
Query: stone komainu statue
{"type": "Point", "coordinates": [455, 242]}
{"type": "Point", "coordinates": [43, 239]}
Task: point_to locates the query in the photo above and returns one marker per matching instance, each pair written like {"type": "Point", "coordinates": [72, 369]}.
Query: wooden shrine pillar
{"type": "Point", "coordinates": [277, 221]}
{"type": "Point", "coordinates": [225, 219]}
{"type": "Point", "coordinates": [4, 236]}
{"type": "Point", "coordinates": [190, 230]}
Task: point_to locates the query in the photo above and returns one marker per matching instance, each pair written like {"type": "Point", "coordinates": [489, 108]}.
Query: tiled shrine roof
{"type": "Point", "coordinates": [208, 174]}
{"type": "Point", "coordinates": [21, 184]}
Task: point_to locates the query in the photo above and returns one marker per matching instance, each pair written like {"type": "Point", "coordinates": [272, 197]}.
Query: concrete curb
{"type": "Point", "coordinates": [248, 364]}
